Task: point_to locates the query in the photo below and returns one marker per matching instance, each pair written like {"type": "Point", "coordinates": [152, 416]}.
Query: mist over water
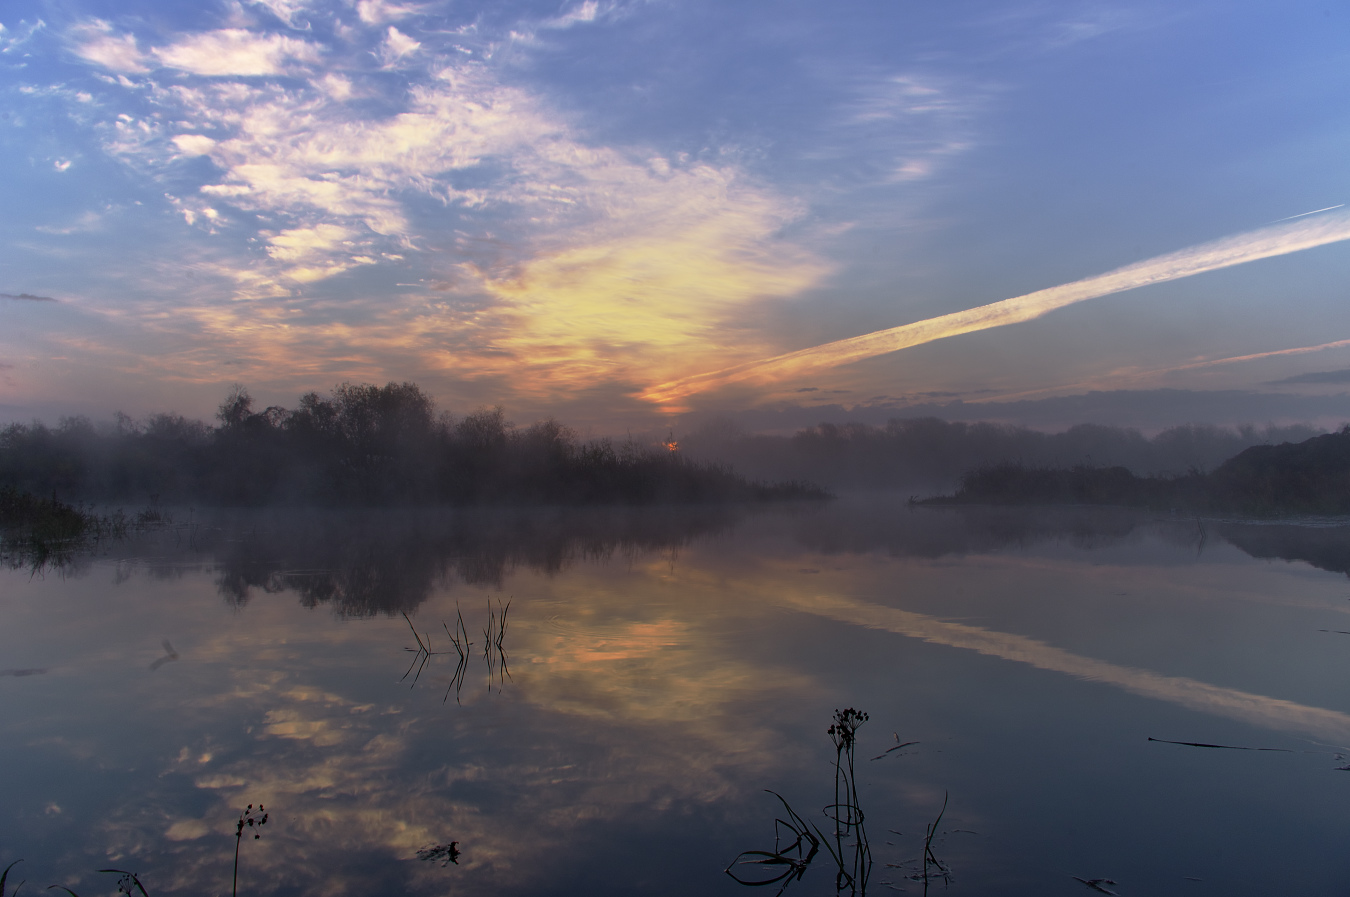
{"type": "Point", "coordinates": [638, 677]}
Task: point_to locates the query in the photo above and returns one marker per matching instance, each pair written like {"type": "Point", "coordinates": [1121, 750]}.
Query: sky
{"type": "Point", "coordinates": [627, 214]}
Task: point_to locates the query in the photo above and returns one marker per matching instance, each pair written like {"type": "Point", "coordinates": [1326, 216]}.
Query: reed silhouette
{"type": "Point", "coordinates": [848, 845]}
{"type": "Point", "coordinates": [4, 879]}
{"type": "Point", "coordinates": [254, 822]}
{"type": "Point", "coordinates": [846, 811]}
{"type": "Point", "coordinates": [494, 650]}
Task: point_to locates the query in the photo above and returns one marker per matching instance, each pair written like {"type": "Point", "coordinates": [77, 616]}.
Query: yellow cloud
{"type": "Point", "coordinates": [651, 293]}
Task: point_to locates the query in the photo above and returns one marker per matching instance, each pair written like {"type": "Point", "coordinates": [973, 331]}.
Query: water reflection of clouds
{"type": "Point", "coordinates": [1259, 710]}
{"type": "Point", "coordinates": [631, 714]}
{"type": "Point", "coordinates": [778, 581]}
{"type": "Point", "coordinates": [628, 698]}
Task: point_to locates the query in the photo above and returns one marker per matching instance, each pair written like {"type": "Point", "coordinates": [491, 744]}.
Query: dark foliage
{"type": "Point", "coordinates": [1013, 484]}
{"type": "Point", "coordinates": [1309, 477]}
{"type": "Point", "coordinates": [362, 445]}
{"type": "Point", "coordinates": [38, 532]}
{"type": "Point", "coordinates": [928, 453]}
{"type": "Point", "coordinates": [29, 517]}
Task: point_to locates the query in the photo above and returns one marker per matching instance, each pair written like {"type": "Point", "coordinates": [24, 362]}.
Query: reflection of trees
{"type": "Point", "coordinates": [907, 531]}
{"type": "Point", "coordinates": [1325, 547]}
{"type": "Point", "coordinates": [367, 563]}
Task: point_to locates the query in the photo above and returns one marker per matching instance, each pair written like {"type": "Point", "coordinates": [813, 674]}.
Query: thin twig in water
{"type": "Point", "coordinates": [170, 655]}
{"type": "Point", "coordinates": [421, 654]}
{"type": "Point", "coordinates": [897, 747]}
{"type": "Point", "coordinates": [1096, 884]}
{"type": "Point", "coordinates": [928, 855]}
{"type": "Point", "coordinates": [1224, 747]}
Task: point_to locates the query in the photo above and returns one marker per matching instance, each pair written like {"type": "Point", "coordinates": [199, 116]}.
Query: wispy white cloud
{"type": "Point", "coordinates": [288, 11]}
{"type": "Point", "coordinates": [195, 211]}
{"type": "Point", "coordinates": [396, 46]}
{"type": "Point", "coordinates": [96, 41]}
{"type": "Point", "coordinates": [607, 264]}
{"type": "Point", "coordinates": [235, 51]}
{"type": "Point", "coordinates": [85, 222]}
{"type": "Point", "coordinates": [910, 123]}
{"type": "Point", "coordinates": [11, 40]}
{"type": "Point", "coordinates": [193, 144]}
{"type": "Point", "coordinates": [378, 12]}
{"type": "Point", "coordinates": [581, 14]}
{"type": "Point", "coordinates": [335, 86]}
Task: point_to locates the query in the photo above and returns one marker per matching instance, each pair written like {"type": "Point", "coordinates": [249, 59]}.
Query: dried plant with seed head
{"type": "Point", "coordinates": [251, 820]}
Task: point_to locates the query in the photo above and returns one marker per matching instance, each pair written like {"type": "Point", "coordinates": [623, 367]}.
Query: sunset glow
{"type": "Point", "coordinates": [623, 212]}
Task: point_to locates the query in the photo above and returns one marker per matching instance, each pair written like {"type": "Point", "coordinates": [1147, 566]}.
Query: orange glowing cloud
{"type": "Point", "coordinates": [648, 292]}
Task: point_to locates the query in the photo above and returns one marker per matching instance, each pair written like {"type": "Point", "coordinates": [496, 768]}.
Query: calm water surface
{"type": "Point", "coordinates": [657, 673]}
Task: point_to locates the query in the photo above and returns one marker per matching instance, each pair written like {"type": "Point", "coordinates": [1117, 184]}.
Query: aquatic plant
{"type": "Point", "coordinates": [850, 850]}
{"type": "Point", "coordinates": [250, 820]}
{"type": "Point", "coordinates": [786, 863]}
{"type": "Point", "coordinates": [128, 883]}
{"type": "Point", "coordinates": [929, 858]}
{"type": "Point", "coordinates": [494, 650]}
{"type": "Point", "coordinates": [4, 878]}
{"type": "Point", "coordinates": [846, 811]}
{"type": "Point", "coordinates": [40, 532]}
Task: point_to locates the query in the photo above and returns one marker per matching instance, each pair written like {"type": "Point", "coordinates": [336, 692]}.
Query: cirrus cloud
{"type": "Point", "coordinates": [234, 51]}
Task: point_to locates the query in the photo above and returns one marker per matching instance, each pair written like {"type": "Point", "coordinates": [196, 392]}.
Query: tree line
{"type": "Point", "coordinates": [1311, 477]}
{"type": "Point", "coordinates": [927, 454]}
{"type": "Point", "coordinates": [361, 444]}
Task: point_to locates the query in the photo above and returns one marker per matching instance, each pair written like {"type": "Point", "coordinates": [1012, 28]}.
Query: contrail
{"type": "Point", "coordinates": [1119, 375]}
{"type": "Point", "coordinates": [1306, 214]}
{"type": "Point", "coordinates": [1280, 239]}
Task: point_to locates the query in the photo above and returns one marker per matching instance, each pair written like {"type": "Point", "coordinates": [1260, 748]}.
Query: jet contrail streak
{"type": "Point", "coordinates": [1280, 239]}
{"type": "Point", "coordinates": [1305, 214]}
{"type": "Point", "coordinates": [1129, 375]}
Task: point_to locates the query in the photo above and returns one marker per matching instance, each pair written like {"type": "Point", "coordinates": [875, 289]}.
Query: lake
{"type": "Point", "coordinates": [630, 686]}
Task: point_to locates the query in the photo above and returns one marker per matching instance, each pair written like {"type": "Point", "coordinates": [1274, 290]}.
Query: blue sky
{"type": "Point", "coordinates": [557, 207]}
